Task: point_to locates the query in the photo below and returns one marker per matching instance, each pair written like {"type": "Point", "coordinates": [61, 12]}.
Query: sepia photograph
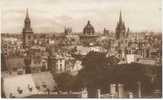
{"type": "Point", "coordinates": [81, 49]}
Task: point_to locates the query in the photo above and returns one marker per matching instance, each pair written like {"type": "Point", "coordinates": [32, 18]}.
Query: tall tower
{"type": "Point", "coordinates": [120, 28]}
{"type": "Point", "coordinates": [27, 32]}
{"type": "Point", "coordinates": [68, 30]}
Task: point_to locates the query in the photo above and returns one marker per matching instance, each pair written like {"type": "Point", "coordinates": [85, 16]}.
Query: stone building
{"type": "Point", "coordinates": [120, 28]}
{"type": "Point", "coordinates": [27, 32]}
{"type": "Point", "coordinates": [121, 38]}
{"type": "Point", "coordinates": [88, 35]}
{"type": "Point", "coordinates": [89, 29]}
{"type": "Point", "coordinates": [69, 38]}
{"type": "Point", "coordinates": [61, 62]}
{"type": "Point", "coordinates": [67, 30]}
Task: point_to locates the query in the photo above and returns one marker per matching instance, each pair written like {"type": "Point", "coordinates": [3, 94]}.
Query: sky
{"type": "Point", "coordinates": [55, 15]}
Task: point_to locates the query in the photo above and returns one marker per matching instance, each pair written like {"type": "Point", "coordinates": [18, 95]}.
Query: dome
{"type": "Point", "coordinates": [88, 29]}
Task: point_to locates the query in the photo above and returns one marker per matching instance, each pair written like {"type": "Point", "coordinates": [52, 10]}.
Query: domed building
{"type": "Point", "coordinates": [88, 37]}
{"type": "Point", "coordinates": [88, 29]}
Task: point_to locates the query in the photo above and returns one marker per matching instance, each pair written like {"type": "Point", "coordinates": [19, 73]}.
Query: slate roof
{"type": "Point", "coordinates": [12, 85]}
{"type": "Point", "coordinates": [20, 85]}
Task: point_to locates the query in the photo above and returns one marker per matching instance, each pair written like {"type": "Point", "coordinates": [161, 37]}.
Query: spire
{"type": "Point", "coordinates": [120, 17]}
{"type": "Point", "coordinates": [27, 15]}
{"type": "Point", "coordinates": [27, 23]}
{"type": "Point", "coordinates": [120, 28]}
{"type": "Point", "coordinates": [27, 19]}
{"type": "Point", "coordinates": [65, 28]}
{"type": "Point", "coordinates": [88, 22]}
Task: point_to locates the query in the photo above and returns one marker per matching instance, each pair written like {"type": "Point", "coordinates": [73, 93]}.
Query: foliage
{"type": "Point", "coordinates": [97, 73]}
{"type": "Point", "coordinates": [94, 64]}
{"type": "Point", "coordinates": [64, 81]}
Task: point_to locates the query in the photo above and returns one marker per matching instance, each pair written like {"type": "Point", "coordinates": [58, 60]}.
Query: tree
{"type": "Point", "coordinates": [129, 75]}
{"type": "Point", "coordinates": [91, 75]}
{"type": "Point", "coordinates": [97, 73]}
{"type": "Point", "coordinates": [64, 81]}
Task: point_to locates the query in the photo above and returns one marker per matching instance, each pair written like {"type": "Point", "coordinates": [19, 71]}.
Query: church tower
{"type": "Point", "coordinates": [27, 32]}
{"type": "Point", "coordinates": [120, 28]}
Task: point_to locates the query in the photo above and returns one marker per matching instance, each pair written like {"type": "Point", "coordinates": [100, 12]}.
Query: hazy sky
{"type": "Point", "coordinates": [54, 15]}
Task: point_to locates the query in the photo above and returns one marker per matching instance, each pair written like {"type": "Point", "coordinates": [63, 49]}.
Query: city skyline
{"type": "Point", "coordinates": [54, 15]}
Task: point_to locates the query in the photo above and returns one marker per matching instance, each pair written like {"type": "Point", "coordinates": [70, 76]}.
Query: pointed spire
{"type": "Point", "coordinates": [27, 15]}
{"type": "Point", "coordinates": [120, 17]}
{"type": "Point", "coordinates": [65, 29]}
{"type": "Point", "coordinates": [27, 23]}
{"type": "Point", "coordinates": [88, 22]}
{"type": "Point", "coordinates": [120, 28]}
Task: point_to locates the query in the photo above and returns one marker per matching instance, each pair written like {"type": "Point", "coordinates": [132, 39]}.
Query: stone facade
{"type": "Point", "coordinates": [27, 32]}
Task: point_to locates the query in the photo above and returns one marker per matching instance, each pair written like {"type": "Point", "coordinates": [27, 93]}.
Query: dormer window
{"type": "Point", "coordinates": [19, 90]}
{"type": "Point", "coordinates": [30, 88]}
{"type": "Point", "coordinates": [38, 87]}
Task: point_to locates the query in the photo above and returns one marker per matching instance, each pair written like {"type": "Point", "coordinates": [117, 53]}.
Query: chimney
{"type": "Point", "coordinates": [84, 93]}
{"type": "Point", "coordinates": [113, 89]}
{"type": "Point", "coordinates": [98, 93]}
{"type": "Point", "coordinates": [120, 90]}
{"type": "Point", "coordinates": [131, 95]}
